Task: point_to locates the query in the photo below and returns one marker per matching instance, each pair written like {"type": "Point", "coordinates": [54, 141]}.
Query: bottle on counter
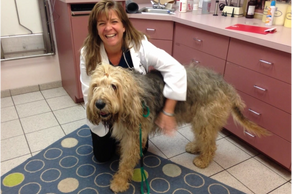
{"type": "Point", "coordinates": [206, 6]}
{"type": "Point", "coordinates": [190, 5]}
{"type": "Point", "coordinates": [183, 6]}
{"type": "Point", "coordinates": [250, 9]}
{"type": "Point", "coordinates": [270, 14]}
{"type": "Point", "coordinates": [287, 22]}
{"type": "Point", "coordinates": [195, 5]}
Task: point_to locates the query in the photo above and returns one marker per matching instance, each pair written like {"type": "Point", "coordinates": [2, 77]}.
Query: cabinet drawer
{"type": "Point", "coordinates": [262, 87]}
{"type": "Point", "coordinates": [185, 55]}
{"type": "Point", "coordinates": [154, 29]}
{"type": "Point", "coordinates": [264, 60]}
{"type": "Point", "coordinates": [267, 116]}
{"type": "Point", "coordinates": [202, 40]}
{"type": "Point", "coordinates": [274, 146]}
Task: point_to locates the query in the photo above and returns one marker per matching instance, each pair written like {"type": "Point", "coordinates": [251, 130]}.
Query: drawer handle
{"type": "Point", "coordinates": [198, 40]}
{"type": "Point", "coordinates": [259, 88]}
{"type": "Point", "coordinates": [248, 133]}
{"type": "Point", "coordinates": [150, 29]}
{"type": "Point", "coordinates": [266, 62]}
{"type": "Point", "coordinates": [254, 112]}
{"type": "Point", "coordinates": [195, 61]}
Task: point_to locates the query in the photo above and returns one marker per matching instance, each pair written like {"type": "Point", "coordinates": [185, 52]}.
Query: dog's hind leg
{"type": "Point", "coordinates": [207, 122]}
{"type": "Point", "coordinates": [206, 144]}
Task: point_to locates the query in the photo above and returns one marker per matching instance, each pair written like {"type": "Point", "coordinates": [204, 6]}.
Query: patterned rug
{"type": "Point", "coordinates": [68, 166]}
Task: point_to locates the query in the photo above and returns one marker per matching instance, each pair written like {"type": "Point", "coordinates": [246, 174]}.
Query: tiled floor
{"type": "Point", "coordinates": [30, 122]}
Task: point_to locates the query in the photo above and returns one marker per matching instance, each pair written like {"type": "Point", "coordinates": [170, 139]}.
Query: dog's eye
{"type": "Point", "coordinates": [114, 86]}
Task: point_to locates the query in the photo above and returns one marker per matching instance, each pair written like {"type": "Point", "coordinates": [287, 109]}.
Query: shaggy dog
{"type": "Point", "coordinates": [118, 97]}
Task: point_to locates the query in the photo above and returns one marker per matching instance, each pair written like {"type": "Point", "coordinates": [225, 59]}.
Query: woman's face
{"type": "Point", "coordinates": [110, 30]}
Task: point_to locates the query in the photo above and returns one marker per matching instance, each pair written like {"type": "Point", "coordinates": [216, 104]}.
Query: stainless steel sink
{"type": "Point", "coordinates": [151, 10]}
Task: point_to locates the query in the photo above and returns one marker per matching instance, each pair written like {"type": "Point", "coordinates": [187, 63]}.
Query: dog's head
{"type": "Point", "coordinates": [112, 93]}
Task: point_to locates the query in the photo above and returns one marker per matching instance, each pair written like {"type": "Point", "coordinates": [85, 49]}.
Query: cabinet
{"type": "Point", "coordinates": [70, 30]}
{"type": "Point", "coordinates": [160, 33]}
{"type": "Point", "coordinates": [262, 77]}
{"type": "Point", "coordinates": [201, 47]}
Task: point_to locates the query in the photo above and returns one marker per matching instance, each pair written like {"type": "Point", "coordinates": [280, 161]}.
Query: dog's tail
{"type": "Point", "coordinates": [240, 119]}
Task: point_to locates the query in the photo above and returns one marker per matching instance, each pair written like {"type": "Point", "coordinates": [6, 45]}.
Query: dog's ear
{"type": "Point", "coordinates": [90, 113]}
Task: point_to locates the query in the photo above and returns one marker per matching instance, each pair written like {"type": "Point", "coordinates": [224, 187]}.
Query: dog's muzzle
{"type": "Point", "coordinates": [99, 104]}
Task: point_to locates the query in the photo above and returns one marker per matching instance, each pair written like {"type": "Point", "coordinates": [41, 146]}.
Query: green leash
{"type": "Point", "coordinates": [143, 175]}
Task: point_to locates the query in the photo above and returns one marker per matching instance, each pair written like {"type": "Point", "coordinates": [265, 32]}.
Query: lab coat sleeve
{"type": "Point", "coordinates": [174, 74]}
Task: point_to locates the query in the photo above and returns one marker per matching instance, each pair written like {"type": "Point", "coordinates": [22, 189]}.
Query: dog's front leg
{"type": "Point", "coordinates": [128, 160]}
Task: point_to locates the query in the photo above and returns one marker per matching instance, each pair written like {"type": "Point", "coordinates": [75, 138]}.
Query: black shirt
{"type": "Point", "coordinates": [122, 62]}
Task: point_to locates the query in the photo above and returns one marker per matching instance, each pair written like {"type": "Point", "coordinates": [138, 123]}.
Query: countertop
{"type": "Point", "coordinates": [280, 40]}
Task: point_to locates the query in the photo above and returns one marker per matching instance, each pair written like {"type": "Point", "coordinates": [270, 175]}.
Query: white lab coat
{"type": "Point", "coordinates": [174, 74]}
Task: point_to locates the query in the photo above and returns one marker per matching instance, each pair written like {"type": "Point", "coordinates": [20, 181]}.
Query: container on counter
{"type": "Point", "coordinates": [206, 6]}
{"type": "Point", "coordinates": [250, 9]}
{"type": "Point", "coordinates": [182, 6]}
{"type": "Point", "coordinates": [287, 22]}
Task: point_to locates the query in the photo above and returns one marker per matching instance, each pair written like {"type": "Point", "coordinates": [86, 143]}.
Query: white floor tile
{"type": "Point", "coordinates": [154, 150]}
{"type": "Point", "coordinates": [242, 145]}
{"type": "Point", "coordinates": [8, 114]}
{"type": "Point", "coordinates": [14, 147]}
{"type": "Point", "coordinates": [283, 172]}
{"type": "Point", "coordinates": [284, 189]}
{"type": "Point", "coordinates": [61, 102]}
{"type": "Point", "coordinates": [38, 122]}
{"type": "Point", "coordinates": [55, 92]}
{"type": "Point", "coordinates": [227, 154]}
{"type": "Point", "coordinates": [39, 140]}
{"type": "Point", "coordinates": [71, 114]}
{"type": "Point", "coordinates": [6, 102]}
{"type": "Point", "coordinates": [226, 178]}
{"type": "Point", "coordinates": [186, 160]}
{"type": "Point", "coordinates": [32, 108]}
{"type": "Point", "coordinates": [10, 164]}
{"type": "Point", "coordinates": [170, 146]}
{"type": "Point", "coordinates": [28, 97]}
{"type": "Point", "coordinates": [70, 127]}
{"type": "Point", "coordinates": [187, 132]}
{"type": "Point", "coordinates": [11, 129]}
{"type": "Point", "coordinates": [256, 176]}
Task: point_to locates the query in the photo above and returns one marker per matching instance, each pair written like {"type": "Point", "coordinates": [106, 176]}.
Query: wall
{"type": "Point", "coordinates": [25, 72]}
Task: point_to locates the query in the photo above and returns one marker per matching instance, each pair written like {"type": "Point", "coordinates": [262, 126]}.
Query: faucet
{"type": "Point", "coordinates": [158, 5]}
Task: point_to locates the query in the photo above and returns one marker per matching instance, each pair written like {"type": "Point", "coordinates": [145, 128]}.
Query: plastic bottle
{"type": "Point", "coordinates": [190, 5]}
{"type": "Point", "coordinates": [206, 6]}
{"type": "Point", "coordinates": [183, 6]}
{"type": "Point", "coordinates": [287, 22]}
{"type": "Point", "coordinates": [195, 5]}
{"type": "Point", "coordinates": [270, 14]}
{"type": "Point", "coordinates": [250, 8]}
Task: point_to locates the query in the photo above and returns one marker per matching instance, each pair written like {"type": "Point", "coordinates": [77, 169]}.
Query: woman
{"type": "Point", "coordinates": [112, 39]}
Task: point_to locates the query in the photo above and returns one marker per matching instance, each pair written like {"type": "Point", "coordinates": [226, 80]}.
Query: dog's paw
{"type": "Point", "coordinates": [192, 148]}
{"type": "Point", "coordinates": [119, 185]}
{"type": "Point", "coordinates": [200, 163]}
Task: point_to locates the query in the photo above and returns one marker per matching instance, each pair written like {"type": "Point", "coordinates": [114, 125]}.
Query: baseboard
{"type": "Point", "coordinates": [28, 89]}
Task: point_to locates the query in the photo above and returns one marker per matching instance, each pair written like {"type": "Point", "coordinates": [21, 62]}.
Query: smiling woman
{"type": "Point", "coordinates": [112, 39]}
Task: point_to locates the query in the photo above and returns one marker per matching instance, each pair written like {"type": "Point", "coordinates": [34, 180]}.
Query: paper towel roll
{"type": "Point", "coordinates": [131, 7]}
{"type": "Point", "coordinates": [287, 22]}
{"type": "Point", "coordinates": [280, 13]}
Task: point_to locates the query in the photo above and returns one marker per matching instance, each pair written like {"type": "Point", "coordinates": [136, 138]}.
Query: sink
{"type": "Point", "coordinates": [151, 10]}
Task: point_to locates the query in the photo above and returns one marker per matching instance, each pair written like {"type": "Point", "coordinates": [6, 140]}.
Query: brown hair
{"type": "Point", "coordinates": [93, 41]}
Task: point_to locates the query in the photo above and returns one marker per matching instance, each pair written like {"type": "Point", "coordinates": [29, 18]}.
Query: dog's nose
{"type": "Point", "coordinates": [99, 104]}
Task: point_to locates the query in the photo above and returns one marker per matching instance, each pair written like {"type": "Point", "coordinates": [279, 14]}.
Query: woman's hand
{"type": "Point", "coordinates": [166, 120]}
{"type": "Point", "coordinates": [166, 123]}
